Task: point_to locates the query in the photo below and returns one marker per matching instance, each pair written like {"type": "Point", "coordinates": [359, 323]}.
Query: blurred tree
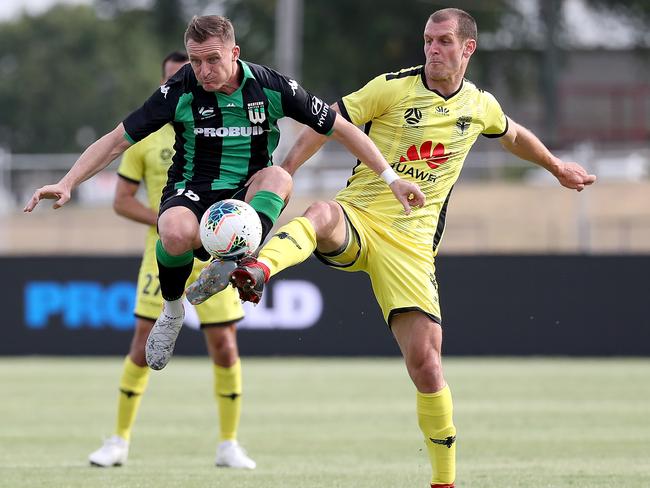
{"type": "Point", "coordinates": [637, 11]}
{"type": "Point", "coordinates": [347, 43]}
{"type": "Point", "coordinates": [254, 22]}
{"type": "Point", "coordinates": [169, 23]}
{"type": "Point", "coordinates": [630, 8]}
{"type": "Point", "coordinates": [167, 18]}
{"type": "Point", "coordinates": [67, 77]}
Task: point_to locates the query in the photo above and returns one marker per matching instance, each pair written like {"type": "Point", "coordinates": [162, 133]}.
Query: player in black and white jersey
{"type": "Point", "coordinates": [224, 112]}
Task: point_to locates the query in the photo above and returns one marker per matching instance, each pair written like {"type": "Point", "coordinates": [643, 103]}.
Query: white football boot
{"type": "Point", "coordinates": [231, 455]}
{"type": "Point", "coordinates": [214, 278]}
{"type": "Point", "coordinates": [113, 452]}
{"type": "Point", "coordinates": [162, 339]}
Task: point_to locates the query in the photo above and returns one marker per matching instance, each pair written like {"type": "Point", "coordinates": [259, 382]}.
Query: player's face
{"type": "Point", "coordinates": [446, 54]}
{"type": "Point", "coordinates": [170, 69]}
{"type": "Point", "coordinates": [214, 63]}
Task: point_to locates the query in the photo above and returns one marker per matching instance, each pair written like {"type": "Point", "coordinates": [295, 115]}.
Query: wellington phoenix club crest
{"type": "Point", "coordinates": [462, 124]}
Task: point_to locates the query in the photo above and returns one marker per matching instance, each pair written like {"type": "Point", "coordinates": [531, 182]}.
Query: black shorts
{"type": "Point", "coordinates": [197, 201]}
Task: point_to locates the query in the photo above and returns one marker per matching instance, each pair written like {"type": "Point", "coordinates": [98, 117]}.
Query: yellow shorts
{"type": "Point", "coordinates": [224, 307]}
{"type": "Point", "coordinates": [402, 274]}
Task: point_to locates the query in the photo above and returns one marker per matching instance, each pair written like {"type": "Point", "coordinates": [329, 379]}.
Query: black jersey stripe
{"type": "Point", "coordinates": [494, 136]}
{"type": "Point", "coordinates": [440, 228]}
{"type": "Point", "coordinates": [344, 110]}
{"type": "Point", "coordinates": [252, 94]}
{"type": "Point", "coordinates": [210, 148]}
{"type": "Point", "coordinates": [174, 174]}
{"type": "Point", "coordinates": [366, 129]}
{"type": "Point", "coordinates": [404, 74]}
{"type": "Point", "coordinates": [397, 311]}
{"type": "Point", "coordinates": [130, 180]}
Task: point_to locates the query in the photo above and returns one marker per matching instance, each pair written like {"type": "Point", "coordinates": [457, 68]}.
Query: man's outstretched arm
{"type": "Point", "coordinates": [95, 158]}
{"type": "Point", "coordinates": [523, 143]}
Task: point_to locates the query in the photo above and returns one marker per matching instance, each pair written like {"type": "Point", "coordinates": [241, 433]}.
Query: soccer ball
{"type": "Point", "coordinates": [230, 228]}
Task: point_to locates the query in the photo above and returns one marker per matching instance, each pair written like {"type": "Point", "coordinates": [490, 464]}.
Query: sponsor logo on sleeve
{"type": "Point", "coordinates": [319, 107]}
{"type": "Point", "coordinates": [293, 84]}
{"type": "Point", "coordinates": [316, 105]}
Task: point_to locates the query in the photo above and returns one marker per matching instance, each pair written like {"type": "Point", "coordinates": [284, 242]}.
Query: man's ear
{"type": "Point", "coordinates": [470, 47]}
{"type": "Point", "coordinates": [235, 53]}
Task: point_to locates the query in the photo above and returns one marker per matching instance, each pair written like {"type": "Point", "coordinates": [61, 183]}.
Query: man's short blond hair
{"type": "Point", "coordinates": [202, 28]}
{"type": "Point", "coordinates": [466, 25]}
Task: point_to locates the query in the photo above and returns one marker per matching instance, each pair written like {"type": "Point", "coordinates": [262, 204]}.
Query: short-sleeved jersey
{"type": "Point", "coordinates": [222, 140]}
{"type": "Point", "coordinates": [425, 137]}
{"type": "Point", "coordinates": [148, 161]}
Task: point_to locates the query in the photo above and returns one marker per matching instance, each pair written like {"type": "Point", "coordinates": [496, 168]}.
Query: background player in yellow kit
{"type": "Point", "coordinates": [148, 162]}
{"type": "Point", "coordinates": [424, 120]}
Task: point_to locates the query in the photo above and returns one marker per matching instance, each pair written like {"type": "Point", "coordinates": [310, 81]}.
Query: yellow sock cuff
{"type": "Point", "coordinates": [290, 245]}
{"type": "Point", "coordinates": [435, 404]}
{"type": "Point", "coordinates": [134, 378]}
{"type": "Point", "coordinates": [228, 380]}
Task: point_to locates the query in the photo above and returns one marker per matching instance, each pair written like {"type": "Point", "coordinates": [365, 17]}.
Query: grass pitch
{"type": "Point", "coordinates": [529, 423]}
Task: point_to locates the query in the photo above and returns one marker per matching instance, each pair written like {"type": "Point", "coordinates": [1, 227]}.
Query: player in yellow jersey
{"type": "Point", "coordinates": [424, 120]}
{"type": "Point", "coordinates": [148, 161]}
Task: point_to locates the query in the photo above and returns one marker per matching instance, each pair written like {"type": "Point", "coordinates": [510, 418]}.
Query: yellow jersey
{"type": "Point", "coordinates": [148, 161]}
{"type": "Point", "coordinates": [425, 137]}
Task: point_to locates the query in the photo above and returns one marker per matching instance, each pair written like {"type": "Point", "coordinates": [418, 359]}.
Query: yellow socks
{"type": "Point", "coordinates": [227, 390]}
{"type": "Point", "coordinates": [435, 420]}
{"type": "Point", "coordinates": [291, 244]}
{"type": "Point", "coordinates": [133, 383]}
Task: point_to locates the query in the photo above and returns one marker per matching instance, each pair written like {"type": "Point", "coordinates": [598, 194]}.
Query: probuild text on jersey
{"type": "Point", "coordinates": [255, 130]}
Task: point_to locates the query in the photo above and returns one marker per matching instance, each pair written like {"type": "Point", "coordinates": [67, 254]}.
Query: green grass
{"type": "Point", "coordinates": [314, 423]}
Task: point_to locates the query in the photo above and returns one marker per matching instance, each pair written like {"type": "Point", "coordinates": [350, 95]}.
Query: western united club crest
{"type": "Point", "coordinates": [256, 112]}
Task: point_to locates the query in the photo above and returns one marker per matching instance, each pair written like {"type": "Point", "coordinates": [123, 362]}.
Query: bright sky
{"type": "Point", "coordinates": [12, 8]}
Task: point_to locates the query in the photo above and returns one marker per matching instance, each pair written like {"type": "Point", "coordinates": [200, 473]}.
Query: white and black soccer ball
{"type": "Point", "coordinates": [229, 229]}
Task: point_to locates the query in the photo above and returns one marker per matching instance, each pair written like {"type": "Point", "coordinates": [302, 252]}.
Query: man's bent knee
{"type": "Point", "coordinates": [325, 217]}
{"type": "Point", "coordinates": [274, 179]}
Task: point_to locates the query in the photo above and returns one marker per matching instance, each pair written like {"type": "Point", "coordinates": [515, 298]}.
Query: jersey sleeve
{"type": "Point", "coordinates": [495, 122]}
{"type": "Point", "coordinates": [368, 102]}
{"type": "Point", "coordinates": [306, 108]}
{"type": "Point", "coordinates": [297, 102]}
{"type": "Point", "coordinates": [159, 109]}
{"type": "Point", "coordinates": [132, 165]}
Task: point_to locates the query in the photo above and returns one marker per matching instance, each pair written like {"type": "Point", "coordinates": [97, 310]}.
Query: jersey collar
{"type": "Point", "coordinates": [246, 69]}
{"type": "Point", "coordinates": [424, 82]}
{"type": "Point", "coordinates": [247, 73]}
